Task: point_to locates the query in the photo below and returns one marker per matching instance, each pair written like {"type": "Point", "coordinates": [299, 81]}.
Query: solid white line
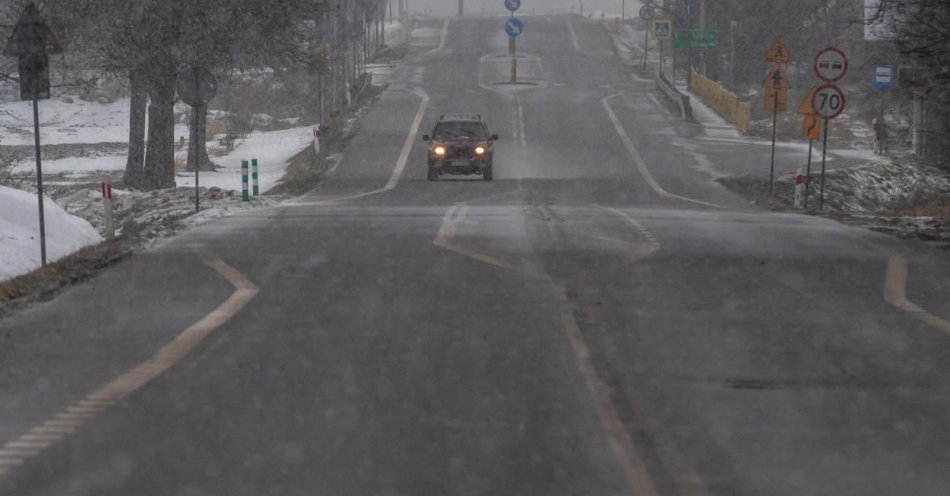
{"type": "Point", "coordinates": [895, 293]}
{"type": "Point", "coordinates": [632, 461]}
{"type": "Point", "coordinates": [445, 33]}
{"type": "Point", "coordinates": [401, 162]}
{"type": "Point", "coordinates": [638, 160]}
{"type": "Point", "coordinates": [66, 422]}
{"type": "Point", "coordinates": [570, 27]}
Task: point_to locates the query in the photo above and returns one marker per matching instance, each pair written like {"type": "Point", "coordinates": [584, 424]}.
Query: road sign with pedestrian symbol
{"type": "Point", "coordinates": [663, 29]}
{"type": "Point", "coordinates": [778, 52]}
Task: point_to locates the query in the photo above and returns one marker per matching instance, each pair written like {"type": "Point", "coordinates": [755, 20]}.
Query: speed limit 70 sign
{"type": "Point", "coordinates": [828, 101]}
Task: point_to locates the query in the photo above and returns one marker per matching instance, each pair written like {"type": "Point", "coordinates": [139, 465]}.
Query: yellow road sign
{"type": "Point", "coordinates": [807, 107]}
{"type": "Point", "coordinates": [776, 99]}
{"type": "Point", "coordinates": [776, 79]}
{"type": "Point", "coordinates": [778, 52]}
{"type": "Point", "coordinates": [812, 129]}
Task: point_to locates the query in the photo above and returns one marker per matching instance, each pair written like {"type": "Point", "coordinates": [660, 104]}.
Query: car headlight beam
{"type": "Point", "coordinates": [479, 150]}
{"type": "Point", "coordinates": [439, 150]}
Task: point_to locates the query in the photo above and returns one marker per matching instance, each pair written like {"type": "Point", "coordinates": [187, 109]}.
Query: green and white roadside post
{"type": "Point", "coordinates": [244, 178]}
{"type": "Point", "coordinates": [257, 190]}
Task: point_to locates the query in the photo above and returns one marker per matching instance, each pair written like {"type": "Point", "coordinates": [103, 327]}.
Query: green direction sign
{"type": "Point", "coordinates": [702, 40]}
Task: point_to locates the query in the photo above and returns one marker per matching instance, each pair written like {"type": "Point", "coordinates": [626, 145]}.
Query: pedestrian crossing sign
{"type": "Point", "coordinates": [663, 29]}
{"type": "Point", "coordinates": [778, 52]}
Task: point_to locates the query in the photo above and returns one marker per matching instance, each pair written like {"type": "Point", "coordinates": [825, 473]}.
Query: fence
{"type": "Point", "coordinates": [722, 101]}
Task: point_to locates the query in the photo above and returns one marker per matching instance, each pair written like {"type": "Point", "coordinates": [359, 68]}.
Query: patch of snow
{"type": "Point", "coordinates": [272, 150]}
{"type": "Point", "coordinates": [19, 232]}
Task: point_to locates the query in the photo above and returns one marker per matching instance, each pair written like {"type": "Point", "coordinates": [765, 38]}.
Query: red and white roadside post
{"type": "Point", "coordinates": [799, 188]}
{"type": "Point", "coordinates": [107, 209]}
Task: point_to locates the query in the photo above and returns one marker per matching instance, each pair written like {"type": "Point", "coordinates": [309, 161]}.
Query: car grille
{"type": "Point", "coordinates": [459, 152]}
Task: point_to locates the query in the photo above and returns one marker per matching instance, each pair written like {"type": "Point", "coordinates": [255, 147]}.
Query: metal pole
{"type": "Point", "coordinates": [623, 11]}
{"type": "Point", "coordinates": [824, 157]}
{"type": "Point", "coordinates": [194, 138]}
{"type": "Point", "coordinates": [646, 48]}
{"type": "Point", "coordinates": [808, 171]}
{"type": "Point", "coordinates": [774, 126]}
{"type": "Point", "coordinates": [39, 162]}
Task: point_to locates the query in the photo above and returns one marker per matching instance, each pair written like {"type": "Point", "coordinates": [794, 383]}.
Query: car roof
{"type": "Point", "coordinates": [458, 117]}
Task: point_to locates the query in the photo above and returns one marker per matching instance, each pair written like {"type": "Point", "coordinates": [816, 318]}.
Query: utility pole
{"type": "Point", "coordinates": [461, 8]}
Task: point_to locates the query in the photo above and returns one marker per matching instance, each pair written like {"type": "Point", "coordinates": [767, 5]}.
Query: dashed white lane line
{"type": "Point", "coordinates": [445, 34]}
{"type": "Point", "coordinates": [640, 163]}
{"type": "Point", "coordinates": [895, 293]}
{"type": "Point", "coordinates": [42, 437]}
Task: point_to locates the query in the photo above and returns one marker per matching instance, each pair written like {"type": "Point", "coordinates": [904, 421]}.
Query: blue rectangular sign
{"type": "Point", "coordinates": [884, 78]}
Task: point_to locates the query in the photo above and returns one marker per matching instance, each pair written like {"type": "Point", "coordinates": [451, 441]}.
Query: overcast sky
{"type": "Point", "coordinates": [450, 7]}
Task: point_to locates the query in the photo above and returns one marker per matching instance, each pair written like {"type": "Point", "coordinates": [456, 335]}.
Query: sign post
{"type": "Point", "coordinates": [812, 132]}
{"type": "Point", "coordinates": [513, 27]}
{"type": "Point", "coordinates": [647, 13]}
{"type": "Point", "coordinates": [776, 87]}
{"type": "Point", "coordinates": [828, 101]}
{"type": "Point", "coordinates": [196, 87]}
{"type": "Point", "coordinates": [32, 42]}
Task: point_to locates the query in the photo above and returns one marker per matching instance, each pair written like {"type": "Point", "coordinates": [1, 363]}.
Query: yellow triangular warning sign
{"type": "Point", "coordinates": [778, 52]}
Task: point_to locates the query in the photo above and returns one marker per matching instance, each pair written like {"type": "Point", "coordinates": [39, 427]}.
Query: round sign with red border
{"type": "Point", "coordinates": [828, 101]}
{"type": "Point", "coordinates": [831, 65]}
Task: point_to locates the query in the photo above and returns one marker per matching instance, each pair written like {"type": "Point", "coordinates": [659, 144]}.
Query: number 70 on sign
{"type": "Point", "coordinates": [828, 101]}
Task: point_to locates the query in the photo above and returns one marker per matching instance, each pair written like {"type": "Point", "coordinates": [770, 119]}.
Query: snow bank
{"type": "Point", "coordinates": [19, 232]}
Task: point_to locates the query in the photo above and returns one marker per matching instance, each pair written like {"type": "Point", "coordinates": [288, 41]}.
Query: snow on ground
{"type": "Point", "coordinates": [19, 232]}
{"type": "Point", "coordinates": [272, 150]}
{"type": "Point", "coordinates": [62, 122]}
{"type": "Point", "coordinates": [82, 122]}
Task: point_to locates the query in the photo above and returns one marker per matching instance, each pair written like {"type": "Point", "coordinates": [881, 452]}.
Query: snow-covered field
{"type": "Point", "coordinates": [83, 125]}
{"type": "Point", "coordinates": [19, 232]}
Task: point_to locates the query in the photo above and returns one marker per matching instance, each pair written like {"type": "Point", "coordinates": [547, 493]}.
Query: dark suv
{"type": "Point", "coordinates": [460, 144]}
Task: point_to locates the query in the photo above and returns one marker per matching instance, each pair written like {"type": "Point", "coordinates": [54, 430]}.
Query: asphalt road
{"type": "Point", "coordinates": [602, 319]}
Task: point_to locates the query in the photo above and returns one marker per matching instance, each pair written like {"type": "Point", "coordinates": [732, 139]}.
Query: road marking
{"type": "Point", "coordinates": [74, 416]}
{"type": "Point", "coordinates": [450, 224]}
{"type": "Point", "coordinates": [401, 162]}
{"type": "Point", "coordinates": [570, 28]}
{"type": "Point", "coordinates": [634, 467]}
{"type": "Point", "coordinates": [445, 33]}
{"type": "Point", "coordinates": [652, 244]}
{"type": "Point", "coordinates": [640, 163]}
{"type": "Point", "coordinates": [895, 293]}
{"type": "Point", "coordinates": [522, 140]}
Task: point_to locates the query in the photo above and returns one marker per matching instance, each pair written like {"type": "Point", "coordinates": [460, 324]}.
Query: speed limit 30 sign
{"type": "Point", "coordinates": [828, 101]}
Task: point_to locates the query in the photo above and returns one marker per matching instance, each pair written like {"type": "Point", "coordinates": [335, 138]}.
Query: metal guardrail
{"type": "Point", "coordinates": [682, 101]}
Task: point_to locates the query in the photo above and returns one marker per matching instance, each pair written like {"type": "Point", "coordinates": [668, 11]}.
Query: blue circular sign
{"type": "Point", "coordinates": [514, 27]}
{"type": "Point", "coordinates": [512, 5]}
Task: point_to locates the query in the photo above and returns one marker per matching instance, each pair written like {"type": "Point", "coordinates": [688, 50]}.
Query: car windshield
{"type": "Point", "coordinates": [460, 130]}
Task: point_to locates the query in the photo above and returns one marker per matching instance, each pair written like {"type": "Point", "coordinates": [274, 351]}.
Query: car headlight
{"type": "Point", "coordinates": [439, 150]}
{"type": "Point", "coordinates": [480, 150]}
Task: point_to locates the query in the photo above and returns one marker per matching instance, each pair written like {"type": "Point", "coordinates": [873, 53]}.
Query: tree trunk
{"type": "Point", "coordinates": [203, 159]}
{"type": "Point", "coordinates": [160, 152]}
{"type": "Point", "coordinates": [135, 164]}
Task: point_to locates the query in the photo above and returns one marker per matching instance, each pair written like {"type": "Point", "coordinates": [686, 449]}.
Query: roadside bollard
{"type": "Point", "coordinates": [107, 213]}
{"type": "Point", "coordinates": [257, 190]}
{"type": "Point", "coordinates": [244, 173]}
{"type": "Point", "coordinates": [316, 139]}
{"type": "Point", "coordinates": [799, 188]}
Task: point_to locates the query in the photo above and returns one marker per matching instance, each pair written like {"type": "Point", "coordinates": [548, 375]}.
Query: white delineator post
{"type": "Point", "coordinates": [316, 139]}
{"type": "Point", "coordinates": [799, 188]}
{"type": "Point", "coordinates": [107, 213]}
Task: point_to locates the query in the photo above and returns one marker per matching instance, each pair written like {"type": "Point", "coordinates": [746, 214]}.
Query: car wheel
{"type": "Point", "coordinates": [433, 174]}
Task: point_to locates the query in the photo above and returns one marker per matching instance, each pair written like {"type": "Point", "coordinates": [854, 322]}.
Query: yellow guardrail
{"type": "Point", "coordinates": [722, 101]}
